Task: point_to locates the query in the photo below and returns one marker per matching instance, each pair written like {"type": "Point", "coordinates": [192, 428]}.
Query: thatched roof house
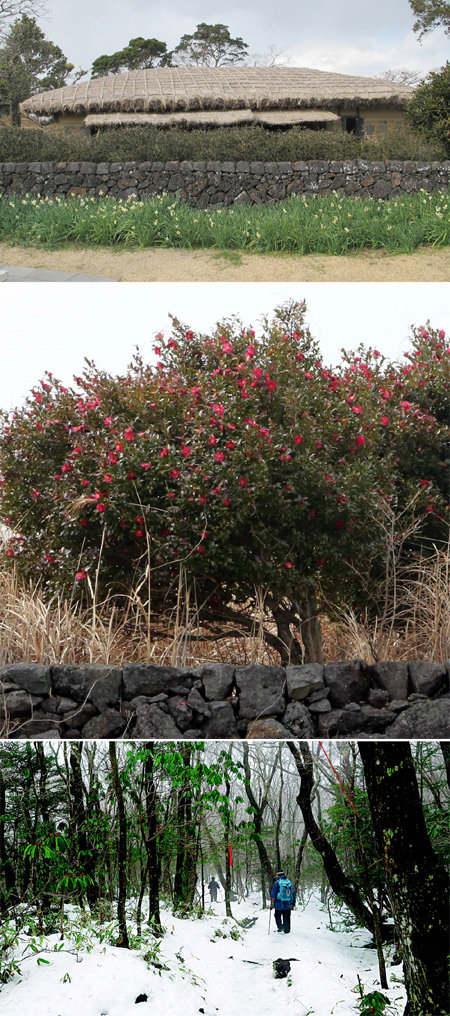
{"type": "Point", "coordinates": [223, 95]}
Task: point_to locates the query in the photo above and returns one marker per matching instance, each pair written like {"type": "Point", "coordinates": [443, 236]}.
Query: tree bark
{"type": "Point", "coordinates": [258, 811]}
{"type": "Point", "coordinates": [122, 851]}
{"type": "Point", "coordinates": [151, 838]}
{"type": "Point", "coordinates": [338, 880]}
{"type": "Point", "coordinates": [84, 854]}
{"type": "Point", "coordinates": [185, 869]}
{"type": "Point", "coordinates": [417, 884]}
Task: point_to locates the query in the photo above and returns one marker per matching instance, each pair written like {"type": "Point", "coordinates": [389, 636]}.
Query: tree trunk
{"type": "Point", "coordinates": [185, 869]}
{"type": "Point", "coordinates": [258, 811]}
{"type": "Point", "coordinates": [417, 884]}
{"type": "Point", "coordinates": [9, 895]}
{"type": "Point", "coordinates": [151, 838]}
{"type": "Point", "coordinates": [338, 880]}
{"type": "Point", "coordinates": [122, 851]}
{"type": "Point", "coordinates": [310, 628]}
{"type": "Point", "coordinates": [84, 855]}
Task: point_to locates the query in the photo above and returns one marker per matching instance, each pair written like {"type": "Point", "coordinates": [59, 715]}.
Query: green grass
{"type": "Point", "coordinates": [315, 225]}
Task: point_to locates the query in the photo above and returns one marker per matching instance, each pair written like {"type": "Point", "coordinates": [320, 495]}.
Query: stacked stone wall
{"type": "Point", "coordinates": [209, 184]}
{"type": "Point", "coordinates": [338, 700]}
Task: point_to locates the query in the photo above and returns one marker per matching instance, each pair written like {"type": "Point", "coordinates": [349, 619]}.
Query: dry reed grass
{"type": "Point", "coordinates": [415, 625]}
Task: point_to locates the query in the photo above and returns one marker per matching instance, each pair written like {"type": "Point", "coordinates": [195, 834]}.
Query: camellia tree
{"type": "Point", "coordinates": [247, 464]}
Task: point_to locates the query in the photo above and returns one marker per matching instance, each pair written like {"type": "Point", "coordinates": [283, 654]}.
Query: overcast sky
{"type": "Point", "coordinates": [53, 326]}
{"type": "Point", "coordinates": [347, 36]}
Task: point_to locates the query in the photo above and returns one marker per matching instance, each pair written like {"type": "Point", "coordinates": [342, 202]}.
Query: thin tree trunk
{"type": "Point", "coordinates": [417, 883]}
{"type": "Point", "coordinates": [151, 838]}
{"type": "Point", "coordinates": [338, 880]}
{"type": "Point", "coordinates": [84, 854]}
{"type": "Point", "coordinates": [122, 852]}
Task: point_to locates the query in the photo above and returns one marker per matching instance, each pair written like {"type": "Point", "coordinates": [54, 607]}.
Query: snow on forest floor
{"type": "Point", "coordinates": [207, 973]}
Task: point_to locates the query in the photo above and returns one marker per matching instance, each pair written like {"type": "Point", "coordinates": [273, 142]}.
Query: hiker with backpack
{"type": "Point", "coordinates": [282, 899]}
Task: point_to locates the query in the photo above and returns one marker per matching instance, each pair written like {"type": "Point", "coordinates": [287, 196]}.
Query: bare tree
{"type": "Point", "coordinates": [402, 75]}
{"type": "Point", "coordinates": [11, 9]}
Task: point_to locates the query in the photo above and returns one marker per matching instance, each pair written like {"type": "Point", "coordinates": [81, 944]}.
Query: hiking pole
{"type": "Point", "coordinates": [270, 915]}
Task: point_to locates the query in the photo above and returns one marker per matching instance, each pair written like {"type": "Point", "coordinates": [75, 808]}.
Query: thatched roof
{"type": "Point", "coordinates": [215, 118]}
{"type": "Point", "coordinates": [172, 89]}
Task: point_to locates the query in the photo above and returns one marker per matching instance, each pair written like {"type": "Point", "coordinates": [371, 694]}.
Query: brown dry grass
{"type": "Point", "coordinates": [415, 625]}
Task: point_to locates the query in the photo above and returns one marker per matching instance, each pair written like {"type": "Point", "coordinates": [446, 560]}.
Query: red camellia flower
{"type": "Point", "coordinates": [339, 524]}
{"type": "Point", "coordinates": [107, 477]}
{"type": "Point", "coordinates": [186, 451]}
{"type": "Point", "coordinates": [83, 522]}
{"type": "Point", "coordinates": [85, 483]}
{"type": "Point", "coordinates": [406, 405]}
{"type": "Point", "coordinates": [81, 574]}
{"type": "Point", "coordinates": [226, 501]}
{"type": "Point", "coordinates": [425, 483]}
{"type": "Point", "coordinates": [243, 481]}
{"type": "Point", "coordinates": [384, 421]}
{"type": "Point", "coordinates": [131, 476]}
{"type": "Point", "coordinates": [101, 507]}
{"type": "Point", "coordinates": [212, 440]}
{"type": "Point", "coordinates": [357, 409]}
{"type": "Point", "coordinates": [219, 457]}
{"type": "Point", "coordinates": [146, 465]}
{"type": "Point", "coordinates": [174, 474]}
{"type": "Point", "coordinates": [360, 440]}
{"type": "Point", "coordinates": [298, 439]}
{"type": "Point", "coordinates": [288, 564]}
{"type": "Point", "coordinates": [128, 434]}
{"type": "Point", "coordinates": [139, 533]}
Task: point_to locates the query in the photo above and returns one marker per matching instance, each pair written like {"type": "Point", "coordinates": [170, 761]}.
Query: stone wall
{"type": "Point", "coordinates": [350, 699]}
{"type": "Point", "coordinates": [204, 184]}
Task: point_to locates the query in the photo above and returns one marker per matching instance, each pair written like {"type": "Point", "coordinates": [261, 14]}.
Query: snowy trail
{"type": "Point", "coordinates": [220, 976]}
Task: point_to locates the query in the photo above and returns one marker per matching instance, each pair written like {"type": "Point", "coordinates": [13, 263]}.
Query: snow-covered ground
{"type": "Point", "coordinates": [207, 973]}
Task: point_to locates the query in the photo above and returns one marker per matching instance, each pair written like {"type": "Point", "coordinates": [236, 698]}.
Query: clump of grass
{"type": "Point", "coordinates": [415, 624]}
{"type": "Point", "coordinates": [328, 224]}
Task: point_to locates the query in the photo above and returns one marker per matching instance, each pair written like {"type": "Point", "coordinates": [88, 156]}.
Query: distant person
{"type": "Point", "coordinates": [213, 887]}
{"type": "Point", "coordinates": [282, 899]}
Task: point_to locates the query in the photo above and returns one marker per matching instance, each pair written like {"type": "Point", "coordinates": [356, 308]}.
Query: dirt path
{"type": "Point", "coordinates": [168, 265]}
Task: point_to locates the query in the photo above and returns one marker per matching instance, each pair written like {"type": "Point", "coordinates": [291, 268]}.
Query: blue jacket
{"type": "Point", "coordinates": [281, 904]}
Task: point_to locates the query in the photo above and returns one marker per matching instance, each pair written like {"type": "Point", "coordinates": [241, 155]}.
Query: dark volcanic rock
{"type": "Point", "coordinates": [95, 682]}
{"type": "Point", "coordinates": [299, 720]}
{"type": "Point", "coordinates": [152, 722]}
{"type": "Point", "coordinates": [19, 703]}
{"type": "Point", "coordinates": [150, 679]}
{"type": "Point", "coordinates": [304, 679]}
{"type": "Point", "coordinates": [180, 712]}
{"type": "Point", "coordinates": [378, 697]}
{"type": "Point", "coordinates": [340, 722]}
{"type": "Point", "coordinates": [109, 724]}
{"type": "Point", "coordinates": [424, 719]}
{"type": "Point", "coordinates": [393, 677]}
{"type": "Point", "coordinates": [427, 678]}
{"type": "Point", "coordinates": [269, 729]}
{"type": "Point", "coordinates": [80, 715]}
{"type": "Point", "coordinates": [218, 680]}
{"type": "Point", "coordinates": [31, 677]}
{"type": "Point", "coordinates": [196, 702]}
{"type": "Point", "coordinates": [222, 722]}
{"type": "Point", "coordinates": [348, 682]}
{"type": "Point", "coordinates": [261, 691]}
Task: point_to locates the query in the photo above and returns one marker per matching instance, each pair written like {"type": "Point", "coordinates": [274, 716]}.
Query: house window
{"type": "Point", "coordinates": [353, 125]}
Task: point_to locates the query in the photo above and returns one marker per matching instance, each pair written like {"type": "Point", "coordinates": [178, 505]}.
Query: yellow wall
{"type": "Point", "coordinates": [375, 120]}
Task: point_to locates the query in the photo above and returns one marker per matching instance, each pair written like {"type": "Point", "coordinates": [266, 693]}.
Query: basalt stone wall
{"type": "Point", "coordinates": [205, 184]}
{"type": "Point", "coordinates": [349, 699]}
